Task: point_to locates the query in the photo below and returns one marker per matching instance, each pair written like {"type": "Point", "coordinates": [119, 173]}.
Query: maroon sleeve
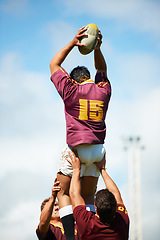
{"type": "Point", "coordinates": [102, 81]}
{"type": "Point", "coordinates": [63, 83]}
{"type": "Point", "coordinates": [48, 236]}
{"type": "Point", "coordinates": [121, 209]}
{"type": "Point", "coordinates": [82, 218]}
{"type": "Point", "coordinates": [100, 77]}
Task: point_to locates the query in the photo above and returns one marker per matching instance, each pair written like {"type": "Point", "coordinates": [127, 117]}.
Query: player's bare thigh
{"type": "Point", "coordinates": [88, 188]}
{"type": "Point", "coordinates": [63, 195]}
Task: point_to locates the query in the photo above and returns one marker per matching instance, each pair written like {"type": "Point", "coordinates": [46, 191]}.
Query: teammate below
{"type": "Point", "coordinates": [50, 226]}
{"type": "Point", "coordinates": [111, 221]}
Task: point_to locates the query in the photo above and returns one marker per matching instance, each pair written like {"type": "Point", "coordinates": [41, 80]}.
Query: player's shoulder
{"type": "Point", "coordinates": [60, 71]}
{"type": "Point", "coordinates": [121, 209]}
{"type": "Point", "coordinates": [79, 208]}
{"type": "Point", "coordinates": [101, 79]}
{"type": "Point", "coordinates": [62, 75]}
{"type": "Point", "coordinates": [80, 213]}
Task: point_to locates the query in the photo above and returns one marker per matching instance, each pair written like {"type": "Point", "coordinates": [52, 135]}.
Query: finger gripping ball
{"type": "Point", "coordinates": [90, 40]}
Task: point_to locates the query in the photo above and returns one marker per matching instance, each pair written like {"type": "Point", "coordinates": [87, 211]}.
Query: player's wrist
{"type": "Point", "coordinates": [54, 195]}
{"type": "Point", "coordinates": [103, 169]}
{"type": "Point", "coordinates": [97, 48]}
{"type": "Point", "coordinates": [76, 171]}
{"type": "Point", "coordinates": [73, 43]}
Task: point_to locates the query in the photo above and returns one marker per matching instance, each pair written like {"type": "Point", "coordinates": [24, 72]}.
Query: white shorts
{"type": "Point", "coordinates": [88, 154]}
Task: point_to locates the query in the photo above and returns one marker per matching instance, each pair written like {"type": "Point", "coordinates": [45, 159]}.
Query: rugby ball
{"type": "Point", "coordinates": [90, 40]}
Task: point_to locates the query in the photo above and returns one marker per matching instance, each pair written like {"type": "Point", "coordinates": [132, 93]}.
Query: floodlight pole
{"type": "Point", "coordinates": [132, 145]}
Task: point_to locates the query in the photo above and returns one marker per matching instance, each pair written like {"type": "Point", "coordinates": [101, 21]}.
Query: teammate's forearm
{"type": "Point", "coordinates": [75, 187]}
{"type": "Point", "coordinates": [99, 61]}
{"type": "Point", "coordinates": [111, 186]}
{"type": "Point", "coordinates": [46, 215]}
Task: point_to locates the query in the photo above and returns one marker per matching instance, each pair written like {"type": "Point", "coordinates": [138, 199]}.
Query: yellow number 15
{"type": "Point", "coordinates": [95, 108]}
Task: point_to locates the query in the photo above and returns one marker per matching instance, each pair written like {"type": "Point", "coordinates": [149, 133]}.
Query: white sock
{"type": "Point", "coordinates": [67, 210]}
{"type": "Point", "coordinates": [66, 215]}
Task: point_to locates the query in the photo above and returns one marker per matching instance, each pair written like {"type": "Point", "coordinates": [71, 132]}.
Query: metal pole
{"type": "Point", "coordinates": [133, 148]}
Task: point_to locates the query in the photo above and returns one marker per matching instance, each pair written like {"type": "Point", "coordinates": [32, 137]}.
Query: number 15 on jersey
{"type": "Point", "coordinates": [91, 109]}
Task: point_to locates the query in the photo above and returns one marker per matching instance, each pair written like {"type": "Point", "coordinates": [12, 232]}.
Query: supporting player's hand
{"type": "Point", "coordinates": [74, 161]}
{"type": "Point", "coordinates": [101, 165]}
{"type": "Point", "coordinates": [55, 188]}
{"type": "Point", "coordinates": [78, 36]}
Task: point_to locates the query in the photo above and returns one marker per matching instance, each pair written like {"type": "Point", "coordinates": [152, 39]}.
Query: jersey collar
{"type": "Point", "coordinates": [55, 225]}
{"type": "Point", "coordinates": [87, 81]}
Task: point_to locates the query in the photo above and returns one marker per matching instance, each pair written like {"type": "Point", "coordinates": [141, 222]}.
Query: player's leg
{"type": "Point", "coordinates": [66, 212]}
{"type": "Point", "coordinates": [88, 189]}
{"type": "Point", "coordinates": [89, 153]}
{"type": "Point", "coordinates": [64, 176]}
{"type": "Point", "coordinates": [63, 194]}
{"type": "Point", "coordinates": [89, 180]}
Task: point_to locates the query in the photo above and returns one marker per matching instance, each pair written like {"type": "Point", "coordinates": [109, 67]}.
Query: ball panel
{"type": "Point", "coordinates": [90, 40]}
{"type": "Point", "coordinates": [90, 43]}
{"type": "Point", "coordinates": [92, 25]}
{"type": "Point", "coordinates": [92, 31]}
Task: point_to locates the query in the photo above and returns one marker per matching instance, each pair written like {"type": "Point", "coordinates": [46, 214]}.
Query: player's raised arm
{"type": "Point", "coordinates": [48, 208]}
{"type": "Point", "coordinates": [75, 187]}
{"type": "Point", "coordinates": [109, 183]}
{"type": "Point", "coordinates": [99, 61]}
{"type": "Point", "coordinates": [58, 59]}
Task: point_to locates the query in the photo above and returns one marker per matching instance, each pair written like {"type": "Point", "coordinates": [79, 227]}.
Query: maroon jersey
{"type": "Point", "coordinates": [86, 105]}
{"type": "Point", "coordinates": [90, 227]}
{"type": "Point", "coordinates": [54, 233]}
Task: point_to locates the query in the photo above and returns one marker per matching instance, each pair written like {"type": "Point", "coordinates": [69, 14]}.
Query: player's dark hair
{"type": "Point", "coordinates": [80, 74]}
{"type": "Point", "coordinates": [106, 206]}
{"type": "Point", "coordinates": [44, 203]}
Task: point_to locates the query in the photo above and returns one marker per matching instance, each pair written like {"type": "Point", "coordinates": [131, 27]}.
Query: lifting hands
{"type": "Point", "coordinates": [78, 36]}
{"type": "Point", "coordinates": [74, 161]}
{"type": "Point", "coordinates": [55, 188]}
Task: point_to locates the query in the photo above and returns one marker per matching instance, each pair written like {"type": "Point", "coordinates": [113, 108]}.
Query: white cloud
{"type": "Point", "coordinates": [29, 104]}
{"type": "Point", "coordinates": [142, 15]}
{"type": "Point", "coordinates": [60, 33]}
{"type": "Point", "coordinates": [21, 221]}
{"type": "Point", "coordinates": [135, 118]}
{"type": "Point", "coordinates": [15, 7]}
{"type": "Point", "coordinates": [31, 154]}
{"type": "Point", "coordinates": [32, 126]}
{"type": "Point", "coordinates": [133, 75]}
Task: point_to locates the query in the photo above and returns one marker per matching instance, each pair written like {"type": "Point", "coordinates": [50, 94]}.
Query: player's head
{"type": "Point", "coordinates": [55, 212]}
{"type": "Point", "coordinates": [80, 74]}
{"type": "Point", "coordinates": [105, 204]}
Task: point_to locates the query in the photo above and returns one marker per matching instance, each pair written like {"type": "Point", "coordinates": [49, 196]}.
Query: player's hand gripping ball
{"type": "Point", "coordinates": [90, 40]}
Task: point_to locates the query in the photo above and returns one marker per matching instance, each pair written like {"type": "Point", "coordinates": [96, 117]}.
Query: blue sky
{"type": "Point", "coordinates": [32, 129]}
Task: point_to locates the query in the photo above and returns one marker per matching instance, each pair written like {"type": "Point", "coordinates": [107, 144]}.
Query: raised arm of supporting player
{"type": "Point", "coordinates": [109, 183]}
{"type": "Point", "coordinates": [48, 208]}
{"type": "Point", "coordinates": [75, 187]}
